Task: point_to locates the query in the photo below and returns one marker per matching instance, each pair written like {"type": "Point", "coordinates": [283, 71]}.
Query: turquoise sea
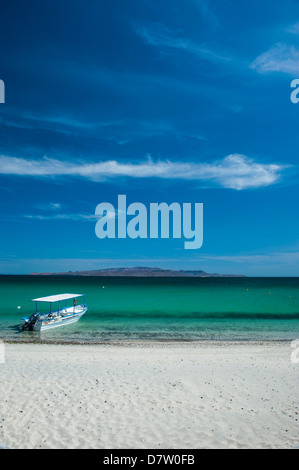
{"type": "Point", "coordinates": [166, 309]}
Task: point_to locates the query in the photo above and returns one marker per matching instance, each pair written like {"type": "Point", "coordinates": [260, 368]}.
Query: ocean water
{"type": "Point", "coordinates": [165, 309]}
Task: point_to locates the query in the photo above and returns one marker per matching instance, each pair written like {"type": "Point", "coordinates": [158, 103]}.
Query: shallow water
{"type": "Point", "coordinates": [159, 308]}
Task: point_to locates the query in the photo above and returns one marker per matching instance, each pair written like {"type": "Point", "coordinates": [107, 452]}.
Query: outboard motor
{"type": "Point", "coordinates": [29, 325]}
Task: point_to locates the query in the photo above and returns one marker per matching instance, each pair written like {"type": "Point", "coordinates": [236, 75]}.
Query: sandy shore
{"type": "Point", "coordinates": [153, 396]}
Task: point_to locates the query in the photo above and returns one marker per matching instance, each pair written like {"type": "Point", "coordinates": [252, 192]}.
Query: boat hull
{"type": "Point", "coordinates": [56, 319]}
{"type": "Point", "coordinates": [43, 325]}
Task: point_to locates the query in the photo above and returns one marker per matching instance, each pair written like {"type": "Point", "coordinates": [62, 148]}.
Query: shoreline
{"type": "Point", "coordinates": [147, 342]}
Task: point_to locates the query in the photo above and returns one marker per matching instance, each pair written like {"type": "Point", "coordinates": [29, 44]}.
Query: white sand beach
{"type": "Point", "coordinates": [149, 395]}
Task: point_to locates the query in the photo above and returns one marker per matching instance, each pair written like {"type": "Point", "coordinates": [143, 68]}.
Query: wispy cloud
{"type": "Point", "coordinates": [286, 263]}
{"type": "Point", "coordinates": [118, 131]}
{"type": "Point", "coordinates": [51, 206]}
{"type": "Point", "coordinates": [256, 264]}
{"type": "Point", "coordinates": [234, 171]}
{"type": "Point", "coordinates": [86, 217]}
{"type": "Point", "coordinates": [294, 29]}
{"type": "Point", "coordinates": [279, 58]}
{"type": "Point", "coordinates": [276, 257]}
{"type": "Point", "coordinates": [160, 36]}
{"type": "Point", "coordinates": [207, 11]}
{"type": "Point", "coordinates": [62, 124]}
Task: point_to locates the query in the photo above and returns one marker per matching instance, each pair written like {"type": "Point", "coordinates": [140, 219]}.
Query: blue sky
{"type": "Point", "coordinates": [173, 101]}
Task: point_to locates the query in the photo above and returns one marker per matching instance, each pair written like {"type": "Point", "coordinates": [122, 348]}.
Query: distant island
{"type": "Point", "coordinates": [139, 271]}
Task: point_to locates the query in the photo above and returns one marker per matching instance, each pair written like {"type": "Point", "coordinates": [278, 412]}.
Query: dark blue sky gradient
{"type": "Point", "coordinates": [186, 81]}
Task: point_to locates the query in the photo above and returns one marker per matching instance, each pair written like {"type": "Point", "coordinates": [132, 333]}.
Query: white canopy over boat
{"type": "Point", "coordinates": [56, 298]}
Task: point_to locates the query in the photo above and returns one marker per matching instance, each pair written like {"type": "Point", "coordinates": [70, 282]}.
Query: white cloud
{"type": "Point", "coordinates": [279, 58]}
{"type": "Point", "coordinates": [234, 171]}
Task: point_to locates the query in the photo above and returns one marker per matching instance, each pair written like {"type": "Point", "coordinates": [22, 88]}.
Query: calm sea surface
{"type": "Point", "coordinates": [159, 308]}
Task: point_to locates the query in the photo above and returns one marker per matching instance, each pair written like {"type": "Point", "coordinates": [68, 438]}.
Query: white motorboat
{"type": "Point", "coordinates": [62, 314]}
